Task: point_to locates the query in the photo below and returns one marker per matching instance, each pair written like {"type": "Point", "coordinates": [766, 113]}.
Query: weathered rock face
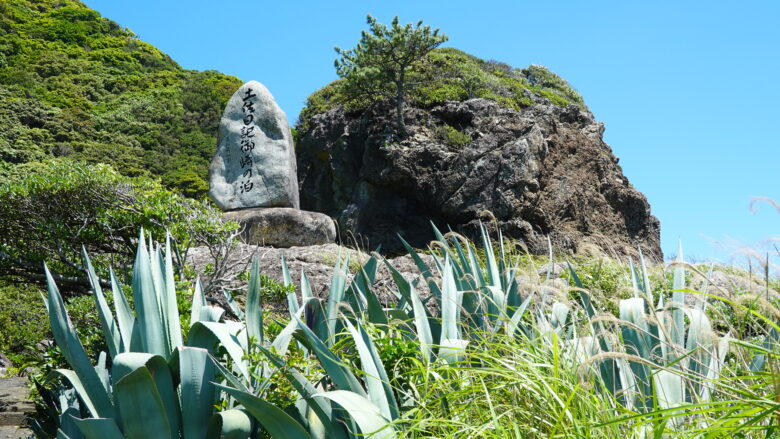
{"type": "Point", "coordinates": [283, 226]}
{"type": "Point", "coordinates": [544, 171]}
{"type": "Point", "coordinates": [255, 161]}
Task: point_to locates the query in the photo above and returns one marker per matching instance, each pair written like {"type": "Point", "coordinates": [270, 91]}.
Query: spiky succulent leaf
{"type": "Point", "coordinates": [73, 351]}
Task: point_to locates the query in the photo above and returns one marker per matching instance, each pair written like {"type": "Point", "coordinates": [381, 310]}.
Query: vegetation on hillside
{"type": "Point", "coordinates": [74, 84]}
{"type": "Point", "coordinates": [448, 74]}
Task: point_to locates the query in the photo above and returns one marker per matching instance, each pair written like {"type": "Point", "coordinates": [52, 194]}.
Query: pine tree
{"type": "Point", "coordinates": [380, 65]}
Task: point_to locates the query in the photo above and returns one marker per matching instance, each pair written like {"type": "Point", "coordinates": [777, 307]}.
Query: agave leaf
{"type": "Point", "coordinates": [475, 270]}
{"type": "Point", "coordinates": [198, 394]}
{"type": "Point", "coordinates": [254, 307]}
{"type": "Point", "coordinates": [367, 416]}
{"type": "Point", "coordinates": [584, 296]}
{"type": "Point", "coordinates": [77, 385]}
{"type": "Point", "coordinates": [515, 321]}
{"type": "Point", "coordinates": [102, 372]}
{"type": "Point", "coordinates": [713, 371]}
{"type": "Point", "coordinates": [560, 313]}
{"type": "Point", "coordinates": [282, 341]}
{"type": "Point", "coordinates": [228, 376]}
{"type": "Point", "coordinates": [424, 269]}
{"type": "Point", "coordinates": [669, 389]}
{"type": "Point", "coordinates": [157, 262]}
{"type": "Point", "coordinates": [456, 245]}
{"type": "Point", "coordinates": [124, 315]}
{"type": "Point", "coordinates": [453, 350]}
{"type": "Point", "coordinates": [450, 304]}
{"type": "Point", "coordinates": [143, 410]}
{"type": "Point", "coordinates": [759, 358]}
{"type": "Point", "coordinates": [701, 342]}
{"type": "Point", "coordinates": [581, 348]}
{"type": "Point", "coordinates": [198, 303]}
{"type": "Point", "coordinates": [646, 288]}
{"type": "Point", "coordinates": [403, 286]}
{"type": "Point", "coordinates": [127, 363]}
{"type": "Point", "coordinates": [276, 422]}
{"type": "Point", "coordinates": [292, 303]}
{"type": "Point", "coordinates": [233, 305]}
{"type": "Point", "coordinates": [678, 300]}
{"type": "Point", "coordinates": [321, 409]}
{"type": "Point", "coordinates": [286, 277]}
{"type": "Point", "coordinates": [172, 319]}
{"type": "Point", "coordinates": [493, 276]}
{"type": "Point", "coordinates": [306, 292]}
{"type": "Point", "coordinates": [110, 331]}
{"type": "Point", "coordinates": [98, 428]}
{"type": "Point", "coordinates": [371, 370]}
{"type": "Point", "coordinates": [212, 335]}
{"type": "Point", "coordinates": [151, 331]}
{"type": "Point", "coordinates": [230, 424]}
{"type": "Point", "coordinates": [338, 286]}
{"type": "Point", "coordinates": [339, 373]}
{"type": "Point", "coordinates": [636, 341]}
{"type": "Point", "coordinates": [361, 289]}
{"type": "Point", "coordinates": [421, 318]}
{"type": "Point", "coordinates": [73, 351]}
{"type": "Point", "coordinates": [211, 314]}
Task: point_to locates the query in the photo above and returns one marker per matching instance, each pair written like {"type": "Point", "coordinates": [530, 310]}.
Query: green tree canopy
{"type": "Point", "coordinates": [379, 67]}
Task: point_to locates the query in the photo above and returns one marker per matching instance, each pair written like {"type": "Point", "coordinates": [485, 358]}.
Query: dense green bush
{"type": "Point", "coordinates": [23, 322]}
{"type": "Point", "coordinates": [73, 83]}
{"type": "Point", "coordinates": [452, 136]}
{"type": "Point", "coordinates": [50, 209]}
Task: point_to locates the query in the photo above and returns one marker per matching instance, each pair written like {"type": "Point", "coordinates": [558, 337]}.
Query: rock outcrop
{"type": "Point", "coordinates": [255, 161]}
{"type": "Point", "coordinates": [542, 171]}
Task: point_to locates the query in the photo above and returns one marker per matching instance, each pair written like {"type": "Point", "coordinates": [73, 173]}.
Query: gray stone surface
{"type": "Point", "coordinates": [15, 406]}
{"type": "Point", "coordinates": [317, 261]}
{"type": "Point", "coordinates": [255, 161]}
{"type": "Point", "coordinates": [284, 226]}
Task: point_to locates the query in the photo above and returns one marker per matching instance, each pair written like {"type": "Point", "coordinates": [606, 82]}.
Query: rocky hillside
{"type": "Point", "coordinates": [75, 84]}
{"type": "Point", "coordinates": [520, 149]}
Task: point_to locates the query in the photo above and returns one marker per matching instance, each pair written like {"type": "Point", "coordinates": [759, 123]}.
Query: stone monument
{"type": "Point", "coordinates": [253, 174]}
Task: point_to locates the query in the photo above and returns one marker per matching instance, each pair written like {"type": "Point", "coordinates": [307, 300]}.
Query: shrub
{"type": "Point", "coordinates": [23, 322]}
{"type": "Point", "coordinates": [50, 209]}
{"type": "Point", "coordinates": [452, 137]}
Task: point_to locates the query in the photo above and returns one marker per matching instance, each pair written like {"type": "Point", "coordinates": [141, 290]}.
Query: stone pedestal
{"type": "Point", "coordinates": [283, 226]}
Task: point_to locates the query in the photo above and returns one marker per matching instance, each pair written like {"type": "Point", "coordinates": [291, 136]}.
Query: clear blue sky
{"type": "Point", "coordinates": [688, 91]}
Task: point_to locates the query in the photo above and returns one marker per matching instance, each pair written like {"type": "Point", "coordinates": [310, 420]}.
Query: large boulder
{"type": "Point", "coordinates": [255, 161]}
{"type": "Point", "coordinates": [283, 226]}
{"type": "Point", "coordinates": [543, 171]}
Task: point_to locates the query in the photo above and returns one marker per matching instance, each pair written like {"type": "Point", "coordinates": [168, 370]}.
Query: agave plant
{"type": "Point", "coordinates": [340, 405]}
{"type": "Point", "coordinates": [156, 386]}
{"type": "Point", "coordinates": [666, 354]}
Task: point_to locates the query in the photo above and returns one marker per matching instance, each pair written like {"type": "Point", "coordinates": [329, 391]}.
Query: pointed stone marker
{"type": "Point", "coordinates": [255, 161]}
